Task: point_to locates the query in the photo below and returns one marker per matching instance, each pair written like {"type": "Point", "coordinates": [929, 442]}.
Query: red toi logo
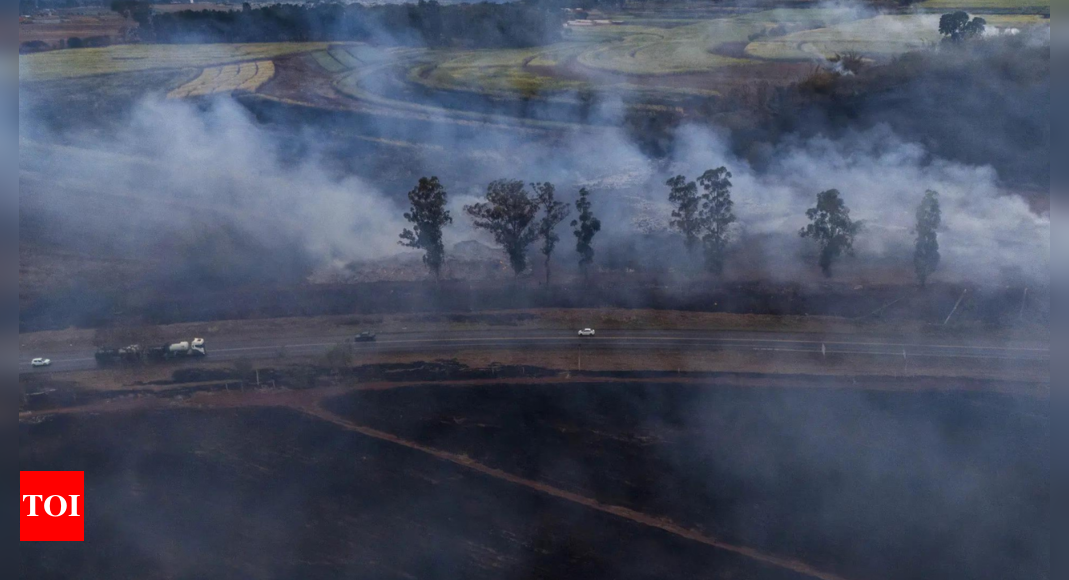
{"type": "Point", "coordinates": [51, 506]}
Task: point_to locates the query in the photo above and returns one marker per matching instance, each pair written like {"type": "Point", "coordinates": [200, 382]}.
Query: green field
{"type": "Point", "coordinates": [59, 64]}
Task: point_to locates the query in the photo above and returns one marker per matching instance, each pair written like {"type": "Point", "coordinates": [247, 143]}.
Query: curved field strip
{"type": "Point", "coordinates": [265, 71]}
{"type": "Point", "coordinates": [60, 64]}
{"type": "Point", "coordinates": [344, 58]}
{"type": "Point", "coordinates": [340, 58]}
{"type": "Point", "coordinates": [246, 76]}
{"type": "Point", "coordinates": [355, 83]}
{"type": "Point", "coordinates": [329, 62]}
{"type": "Point", "coordinates": [354, 55]}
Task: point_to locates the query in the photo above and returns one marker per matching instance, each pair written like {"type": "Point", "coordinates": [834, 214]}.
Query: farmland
{"type": "Point", "coordinates": [878, 37]}
{"type": "Point", "coordinates": [666, 60]}
{"type": "Point", "coordinates": [1021, 5]}
{"type": "Point", "coordinates": [702, 46]}
{"type": "Point", "coordinates": [67, 64]}
{"type": "Point", "coordinates": [652, 56]}
{"type": "Point", "coordinates": [662, 59]}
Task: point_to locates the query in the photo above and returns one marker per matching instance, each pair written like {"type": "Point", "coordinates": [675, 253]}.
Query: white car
{"type": "Point", "coordinates": [586, 332]}
{"type": "Point", "coordinates": [40, 362]}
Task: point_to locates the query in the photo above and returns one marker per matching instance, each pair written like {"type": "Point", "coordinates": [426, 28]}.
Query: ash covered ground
{"type": "Point", "coordinates": [852, 484]}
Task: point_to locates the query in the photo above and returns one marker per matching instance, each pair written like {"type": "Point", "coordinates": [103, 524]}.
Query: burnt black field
{"type": "Point", "coordinates": [865, 485]}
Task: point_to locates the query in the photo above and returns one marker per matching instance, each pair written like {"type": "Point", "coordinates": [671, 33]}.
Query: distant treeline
{"type": "Point", "coordinates": [426, 23]}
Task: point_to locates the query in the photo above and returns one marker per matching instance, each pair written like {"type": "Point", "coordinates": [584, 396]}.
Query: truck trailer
{"type": "Point", "coordinates": [135, 353]}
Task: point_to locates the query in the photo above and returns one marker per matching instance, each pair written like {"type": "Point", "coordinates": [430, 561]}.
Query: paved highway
{"type": "Point", "coordinates": [222, 348]}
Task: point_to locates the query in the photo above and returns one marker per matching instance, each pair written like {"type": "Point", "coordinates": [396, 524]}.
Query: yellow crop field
{"type": "Point", "coordinates": [245, 76]}
{"type": "Point", "coordinates": [60, 64]}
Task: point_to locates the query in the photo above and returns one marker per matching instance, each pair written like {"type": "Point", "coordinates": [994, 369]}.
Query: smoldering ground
{"type": "Point", "coordinates": [862, 471]}
{"type": "Point", "coordinates": [885, 485]}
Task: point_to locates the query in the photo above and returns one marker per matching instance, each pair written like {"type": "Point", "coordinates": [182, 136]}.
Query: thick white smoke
{"type": "Point", "coordinates": [987, 232]}
{"type": "Point", "coordinates": [221, 161]}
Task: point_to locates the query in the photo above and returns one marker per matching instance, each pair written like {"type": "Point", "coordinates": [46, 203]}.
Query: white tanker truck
{"type": "Point", "coordinates": [193, 347]}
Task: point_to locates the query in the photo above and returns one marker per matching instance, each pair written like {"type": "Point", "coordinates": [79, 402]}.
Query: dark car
{"type": "Point", "coordinates": [366, 336]}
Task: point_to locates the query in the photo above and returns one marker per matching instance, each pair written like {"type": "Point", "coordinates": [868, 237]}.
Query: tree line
{"type": "Point", "coordinates": [426, 23]}
{"type": "Point", "coordinates": [517, 215]}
